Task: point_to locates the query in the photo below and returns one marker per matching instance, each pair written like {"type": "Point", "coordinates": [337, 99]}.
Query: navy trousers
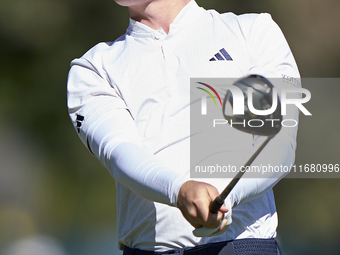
{"type": "Point", "coordinates": [248, 246]}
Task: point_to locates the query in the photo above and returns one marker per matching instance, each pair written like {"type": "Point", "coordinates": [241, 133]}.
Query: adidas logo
{"type": "Point", "coordinates": [221, 55]}
{"type": "Point", "coordinates": [79, 121]}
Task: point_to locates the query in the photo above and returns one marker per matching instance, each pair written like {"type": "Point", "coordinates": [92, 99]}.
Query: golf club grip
{"type": "Point", "coordinates": [219, 200]}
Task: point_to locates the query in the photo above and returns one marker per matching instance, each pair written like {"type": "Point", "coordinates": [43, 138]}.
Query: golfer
{"type": "Point", "coordinates": [129, 101]}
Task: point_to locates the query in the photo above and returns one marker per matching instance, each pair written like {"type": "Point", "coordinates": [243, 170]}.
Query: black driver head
{"type": "Point", "coordinates": [262, 95]}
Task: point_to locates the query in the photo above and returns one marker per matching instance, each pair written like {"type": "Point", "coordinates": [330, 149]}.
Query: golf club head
{"type": "Point", "coordinates": [262, 99]}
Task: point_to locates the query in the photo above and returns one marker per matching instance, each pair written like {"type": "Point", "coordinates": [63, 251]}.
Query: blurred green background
{"type": "Point", "coordinates": [56, 199]}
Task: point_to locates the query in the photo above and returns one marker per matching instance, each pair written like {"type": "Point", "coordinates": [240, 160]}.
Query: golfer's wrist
{"type": "Point", "coordinates": [176, 189]}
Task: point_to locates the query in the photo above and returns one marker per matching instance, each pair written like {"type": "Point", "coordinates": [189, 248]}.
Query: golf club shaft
{"type": "Point", "coordinates": [219, 200]}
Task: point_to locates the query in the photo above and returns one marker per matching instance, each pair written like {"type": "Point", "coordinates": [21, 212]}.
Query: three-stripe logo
{"type": "Point", "coordinates": [79, 121]}
{"type": "Point", "coordinates": [221, 55]}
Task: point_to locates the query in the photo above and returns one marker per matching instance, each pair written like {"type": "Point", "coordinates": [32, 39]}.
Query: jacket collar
{"type": "Point", "coordinates": [184, 18]}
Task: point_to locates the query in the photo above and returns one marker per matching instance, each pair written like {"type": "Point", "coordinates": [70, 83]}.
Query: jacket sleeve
{"type": "Point", "coordinates": [271, 57]}
{"type": "Point", "coordinates": [106, 127]}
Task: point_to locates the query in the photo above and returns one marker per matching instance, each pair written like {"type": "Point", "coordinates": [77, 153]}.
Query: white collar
{"type": "Point", "coordinates": [186, 16]}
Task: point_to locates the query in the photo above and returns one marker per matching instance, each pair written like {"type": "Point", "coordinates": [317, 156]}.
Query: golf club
{"type": "Point", "coordinates": [262, 100]}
